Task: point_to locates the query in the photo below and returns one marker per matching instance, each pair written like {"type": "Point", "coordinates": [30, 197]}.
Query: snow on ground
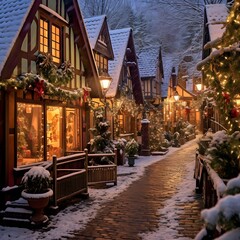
{"type": "Point", "coordinates": [76, 216]}
{"type": "Point", "coordinates": [167, 225]}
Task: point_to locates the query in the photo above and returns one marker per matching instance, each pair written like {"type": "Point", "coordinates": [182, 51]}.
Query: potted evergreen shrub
{"type": "Point", "coordinates": [120, 146]}
{"type": "Point", "coordinates": [131, 150]}
{"type": "Point", "coordinates": [36, 183]}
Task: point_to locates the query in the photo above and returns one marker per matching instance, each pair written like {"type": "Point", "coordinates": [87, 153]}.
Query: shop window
{"type": "Point", "coordinates": [121, 124]}
{"type": "Point", "coordinates": [72, 129]}
{"type": "Point", "coordinates": [29, 133]}
{"type": "Point", "coordinates": [54, 132]}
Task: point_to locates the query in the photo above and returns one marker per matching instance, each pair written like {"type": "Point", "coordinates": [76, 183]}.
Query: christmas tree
{"type": "Point", "coordinates": [221, 70]}
{"type": "Point", "coordinates": [101, 142]}
{"type": "Point", "coordinates": [157, 141]}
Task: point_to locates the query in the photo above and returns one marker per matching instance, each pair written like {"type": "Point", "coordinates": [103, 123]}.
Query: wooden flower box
{"type": "Point", "coordinates": [103, 173]}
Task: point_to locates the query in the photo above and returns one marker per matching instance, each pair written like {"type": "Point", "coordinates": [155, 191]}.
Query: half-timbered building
{"type": "Point", "coordinates": [47, 73]}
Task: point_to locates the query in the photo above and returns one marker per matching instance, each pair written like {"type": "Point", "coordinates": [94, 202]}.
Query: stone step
{"type": "Point", "coordinates": [17, 213]}
{"type": "Point", "coordinates": [16, 222]}
{"type": "Point", "coordinates": [21, 202]}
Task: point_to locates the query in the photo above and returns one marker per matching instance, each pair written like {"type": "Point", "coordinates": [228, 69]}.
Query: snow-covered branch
{"type": "Point", "coordinates": [216, 54]}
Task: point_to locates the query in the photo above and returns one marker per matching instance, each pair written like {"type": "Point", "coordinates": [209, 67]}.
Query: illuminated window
{"type": "Point", "coordinates": [54, 131]}
{"type": "Point", "coordinates": [97, 59]}
{"type": "Point", "coordinates": [56, 43]}
{"type": "Point", "coordinates": [102, 63]}
{"type": "Point", "coordinates": [43, 36]}
{"type": "Point", "coordinates": [29, 133]}
{"type": "Point", "coordinates": [72, 129]}
{"type": "Point", "coordinates": [121, 125]}
{"type": "Point", "coordinates": [50, 39]}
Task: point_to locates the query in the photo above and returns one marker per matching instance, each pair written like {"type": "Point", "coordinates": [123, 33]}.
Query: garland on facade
{"type": "Point", "coordinates": [56, 77]}
{"type": "Point", "coordinates": [126, 104]}
{"type": "Point", "coordinates": [221, 69]}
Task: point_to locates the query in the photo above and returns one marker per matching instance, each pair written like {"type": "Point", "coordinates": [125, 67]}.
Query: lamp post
{"type": "Point", "coordinates": [176, 97]}
{"type": "Point", "coordinates": [105, 82]}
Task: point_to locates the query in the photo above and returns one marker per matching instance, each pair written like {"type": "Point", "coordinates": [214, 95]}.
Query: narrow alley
{"type": "Point", "coordinates": [136, 210]}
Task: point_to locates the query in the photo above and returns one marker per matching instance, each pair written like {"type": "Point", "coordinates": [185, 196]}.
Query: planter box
{"type": "Point", "coordinates": [102, 174]}
{"type": "Point", "coordinates": [191, 137]}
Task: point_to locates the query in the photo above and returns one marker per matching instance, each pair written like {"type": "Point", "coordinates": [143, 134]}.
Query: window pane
{"type": "Point", "coordinates": [72, 129]}
{"type": "Point", "coordinates": [56, 43]}
{"type": "Point", "coordinates": [43, 36]}
{"type": "Point", "coordinates": [29, 133]}
{"type": "Point", "coordinates": [54, 131]}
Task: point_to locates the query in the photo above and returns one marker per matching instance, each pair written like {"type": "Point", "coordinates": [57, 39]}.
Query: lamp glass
{"type": "Point", "coordinates": [176, 97]}
{"type": "Point", "coordinates": [105, 83]}
{"type": "Point", "coordinates": [199, 86]}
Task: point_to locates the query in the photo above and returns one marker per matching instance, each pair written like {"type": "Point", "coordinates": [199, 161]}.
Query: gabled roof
{"type": "Point", "coordinates": [119, 39]}
{"type": "Point", "coordinates": [122, 39]}
{"type": "Point", "coordinates": [13, 13]}
{"type": "Point", "coordinates": [168, 63]}
{"type": "Point", "coordinates": [15, 21]}
{"type": "Point", "coordinates": [216, 15]}
{"type": "Point", "coordinates": [94, 26]}
{"type": "Point", "coordinates": [148, 62]}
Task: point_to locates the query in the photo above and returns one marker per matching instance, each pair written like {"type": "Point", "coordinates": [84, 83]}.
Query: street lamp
{"type": "Point", "coordinates": [105, 82]}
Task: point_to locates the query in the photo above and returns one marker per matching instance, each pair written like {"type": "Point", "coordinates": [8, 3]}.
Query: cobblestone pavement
{"type": "Point", "coordinates": [135, 210]}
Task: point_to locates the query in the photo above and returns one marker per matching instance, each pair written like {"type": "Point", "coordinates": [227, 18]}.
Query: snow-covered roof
{"type": "Point", "coordinates": [148, 61]}
{"type": "Point", "coordinates": [216, 16]}
{"type": "Point", "coordinates": [168, 63]}
{"type": "Point", "coordinates": [12, 16]}
{"type": "Point", "coordinates": [94, 26]}
{"type": "Point", "coordinates": [119, 39]}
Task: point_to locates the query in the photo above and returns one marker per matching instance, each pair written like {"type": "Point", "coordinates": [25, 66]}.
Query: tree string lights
{"type": "Point", "coordinates": [221, 69]}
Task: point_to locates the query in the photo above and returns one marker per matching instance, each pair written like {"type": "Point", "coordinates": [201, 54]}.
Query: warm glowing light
{"type": "Point", "coordinates": [199, 86]}
{"type": "Point", "coordinates": [105, 83]}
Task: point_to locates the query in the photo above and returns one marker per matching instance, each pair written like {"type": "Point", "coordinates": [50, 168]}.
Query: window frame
{"type": "Point", "coordinates": [56, 22]}
{"type": "Point", "coordinates": [101, 63]}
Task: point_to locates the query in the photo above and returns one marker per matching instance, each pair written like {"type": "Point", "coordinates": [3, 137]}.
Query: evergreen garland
{"type": "Point", "coordinates": [49, 81]}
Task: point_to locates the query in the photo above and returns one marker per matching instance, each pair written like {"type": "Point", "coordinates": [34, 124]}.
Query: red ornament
{"type": "Point", "coordinates": [85, 94]}
{"type": "Point", "coordinates": [226, 97]}
{"type": "Point", "coordinates": [39, 87]}
{"type": "Point", "coordinates": [234, 113]}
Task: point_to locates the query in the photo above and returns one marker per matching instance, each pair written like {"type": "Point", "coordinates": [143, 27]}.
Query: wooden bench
{"type": "Point", "coordinates": [69, 176]}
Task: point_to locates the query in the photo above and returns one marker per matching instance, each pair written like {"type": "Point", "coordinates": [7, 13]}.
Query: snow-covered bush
{"type": "Point", "coordinates": [131, 147]}
{"type": "Point", "coordinates": [224, 217]}
{"type": "Point", "coordinates": [37, 180]}
{"type": "Point", "coordinates": [223, 153]}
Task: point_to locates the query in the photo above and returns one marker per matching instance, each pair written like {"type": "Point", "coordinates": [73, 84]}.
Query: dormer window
{"type": "Point", "coordinates": [50, 38]}
{"type": "Point", "coordinates": [102, 63]}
